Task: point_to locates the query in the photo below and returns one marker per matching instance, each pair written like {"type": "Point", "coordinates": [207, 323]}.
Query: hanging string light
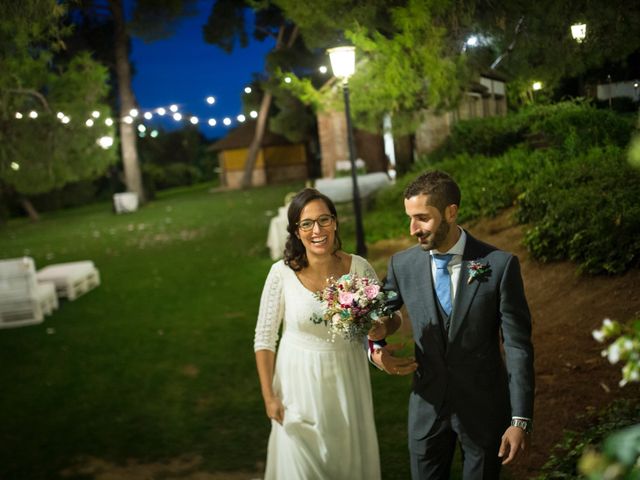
{"type": "Point", "coordinates": [134, 114]}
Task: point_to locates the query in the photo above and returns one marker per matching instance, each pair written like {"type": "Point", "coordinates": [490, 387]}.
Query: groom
{"type": "Point", "coordinates": [474, 382]}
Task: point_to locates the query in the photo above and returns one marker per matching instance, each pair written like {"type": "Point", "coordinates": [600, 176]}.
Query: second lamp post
{"type": "Point", "coordinates": [343, 64]}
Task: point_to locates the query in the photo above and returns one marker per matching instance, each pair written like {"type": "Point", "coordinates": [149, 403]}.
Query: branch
{"type": "Point", "coordinates": [292, 38]}
{"type": "Point", "coordinates": [511, 45]}
{"type": "Point", "coordinates": [34, 93]}
{"type": "Point", "coordinates": [266, 31]}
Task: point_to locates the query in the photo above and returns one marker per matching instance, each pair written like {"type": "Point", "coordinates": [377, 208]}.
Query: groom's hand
{"type": "Point", "coordinates": [383, 358]}
{"type": "Point", "coordinates": [514, 442]}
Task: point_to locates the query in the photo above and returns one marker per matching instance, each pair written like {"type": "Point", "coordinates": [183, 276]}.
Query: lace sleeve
{"type": "Point", "coordinates": [271, 311]}
{"type": "Point", "coordinates": [364, 268]}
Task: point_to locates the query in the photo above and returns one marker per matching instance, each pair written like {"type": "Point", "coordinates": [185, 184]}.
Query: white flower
{"type": "Point", "coordinates": [598, 335]}
{"type": "Point", "coordinates": [614, 353]}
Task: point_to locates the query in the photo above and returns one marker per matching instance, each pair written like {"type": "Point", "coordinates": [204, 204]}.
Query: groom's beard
{"type": "Point", "coordinates": [431, 241]}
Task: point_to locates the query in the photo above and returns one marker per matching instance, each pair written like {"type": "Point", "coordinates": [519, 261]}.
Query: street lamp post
{"type": "Point", "coordinates": [579, 33]}
{"type": "Point", "coordinates": [343, 64]}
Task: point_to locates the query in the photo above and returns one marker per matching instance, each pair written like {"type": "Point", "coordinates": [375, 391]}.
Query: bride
{"type": "Point", "coordinates": [317, 392]}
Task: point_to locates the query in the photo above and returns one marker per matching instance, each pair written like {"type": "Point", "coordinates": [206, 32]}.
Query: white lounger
{"type": "Point", "coordinates": [23, 300]}
{"type": "Point", "coordinates": [71, 279]}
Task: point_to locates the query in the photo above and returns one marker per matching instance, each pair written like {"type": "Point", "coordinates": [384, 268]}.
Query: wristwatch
{"type": "Point", "coordinates": [522, 423]}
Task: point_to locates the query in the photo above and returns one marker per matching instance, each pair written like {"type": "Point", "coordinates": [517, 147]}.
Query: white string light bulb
{"type": "Point", "coordinates": [241, 118]}
{"type": "Point", "coordinates": [60, 115]}
{"type": "Point", "coordinates": [212, 122]}
{"type": "Point", "coordinates": [161, 111]}
{"type": "Point", "coordinates": [105, 142]}
{"type": "Point", "coordinates": [95, 114]}
{"type": "Point", "coordinates": [287, 79]}
{"type": "Point", "coordinates": [142, 128]}
{"type": "Point", "coordinates": [89, 123]}
{"type": "Point", "coordinates": [133, 112]}
{"type": "Point", "coordinates": [15, 166]}
{"type": "Point", "coordinates": [247, 89]}
{"type": "Point", "coordinates": [253, 114]}
{"type": "Point", "coordinates": [227, 121]}
{"type": "Point", "coordinates": [18, 115]}
{"type": "Point", "coordinates": [177, 117]}
{"type": "Point", "coordinates": [65, 119]}
{"type": "Point", "coordinates": [173, 108]}
{"type": "Point", "coordinates": [323, 69]}
{"type": "Point", "coordinates": [194, 120]}
{"type": "Point", "coordinates": [108, 122]}
{"type": "Point", "coordinates": [128, 120]}
{"type": "Point", "coordinates": [148, 115]}
{"type": "Point", "coordinates": [211, 100]}
{"type": "Point", "coordinates": [33, 114]}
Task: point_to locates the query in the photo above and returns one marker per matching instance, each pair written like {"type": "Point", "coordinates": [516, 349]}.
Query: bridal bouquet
{"type": "Point", "coordinates": [351, 305]}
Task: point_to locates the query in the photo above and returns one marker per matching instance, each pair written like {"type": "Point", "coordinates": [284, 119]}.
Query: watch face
{"type": "Point", "coordinates": [523, 424]}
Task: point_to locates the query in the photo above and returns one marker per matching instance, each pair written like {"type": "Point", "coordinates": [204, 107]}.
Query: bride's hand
{"type": "Point", "coordinates": [385, 326]}
{"type": "Point", "coordinates": [275, 409]}
{"type": "Point", "coordinates": [378, 331]}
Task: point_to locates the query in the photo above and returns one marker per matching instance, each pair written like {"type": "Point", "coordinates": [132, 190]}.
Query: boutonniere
{"type": "Point", "coordinates": [478, 271]}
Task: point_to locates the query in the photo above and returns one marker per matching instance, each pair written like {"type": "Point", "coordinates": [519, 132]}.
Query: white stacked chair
{"type": "Point", "coordinates": [23, 300]}
{"type": "Point", "coordinates": [71, 279]}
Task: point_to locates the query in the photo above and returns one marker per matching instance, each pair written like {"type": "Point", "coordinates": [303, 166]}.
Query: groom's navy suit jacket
{"type": "Point", "coordinates": [465, 371]}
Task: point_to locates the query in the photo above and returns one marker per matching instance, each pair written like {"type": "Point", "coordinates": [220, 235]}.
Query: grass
{"type": "Point", "coordinates": [157, 362]}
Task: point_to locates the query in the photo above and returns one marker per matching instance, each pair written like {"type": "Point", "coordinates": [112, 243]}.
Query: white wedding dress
{"type": "Point", "coordinates": [328, 430]}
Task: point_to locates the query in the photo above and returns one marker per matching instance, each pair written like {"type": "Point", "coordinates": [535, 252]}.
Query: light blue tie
{"type": "Point", "coordinates": [443, 280]}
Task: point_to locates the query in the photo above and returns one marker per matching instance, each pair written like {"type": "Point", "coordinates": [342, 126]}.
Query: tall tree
{"type": "Point", "coordinates": [47, 104]}
{"type": "Point", "coordinates": [151, 20]}
{"type": "Point", "coordinates": [227, 25]}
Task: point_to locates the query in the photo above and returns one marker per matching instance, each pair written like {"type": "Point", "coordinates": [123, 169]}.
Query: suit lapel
{"type": "Point", "coordinates": [465, 291]}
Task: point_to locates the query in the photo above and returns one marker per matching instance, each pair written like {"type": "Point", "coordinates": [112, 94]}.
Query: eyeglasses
{"type": "Point", "coordinates": [323, 221]}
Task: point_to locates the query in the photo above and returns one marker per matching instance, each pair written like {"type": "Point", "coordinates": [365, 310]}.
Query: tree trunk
{"type": "Point", "coordinates": [252, 154]}
{"type": "Point", "coordinates": [256, 143]}
{"type": "Point", "coordinates": [133, 177]}
{"type": "Point", "coordinates": [29, 208]}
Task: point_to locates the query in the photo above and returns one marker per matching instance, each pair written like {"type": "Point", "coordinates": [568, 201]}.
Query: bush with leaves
{"type": "Point", "coordinates": [585, 209]}
{"type": "Point", "coordinates": [565, 459]}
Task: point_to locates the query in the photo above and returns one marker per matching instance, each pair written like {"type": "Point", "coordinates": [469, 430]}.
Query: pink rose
{"type": "Point", "coordinates": [371, 291]}
{"type": "Point", "coordinates": [345, 298]}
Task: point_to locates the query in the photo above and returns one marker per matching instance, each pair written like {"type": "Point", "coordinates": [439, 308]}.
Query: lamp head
{"type": "Point", "coordinates": [579, 32]}
{"type": "Point", "coordinates": [343, 61]}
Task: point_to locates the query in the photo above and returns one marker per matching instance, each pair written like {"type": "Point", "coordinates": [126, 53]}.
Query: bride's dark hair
{"type": "Point", "coordinates": [295, 255]}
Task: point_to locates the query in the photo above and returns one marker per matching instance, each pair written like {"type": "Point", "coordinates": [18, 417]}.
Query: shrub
{"type": "Point", "coordinates": [160, 177]}
{"type": "Point", "coordinates": [488, 185]}
{"type": "Point", "coordinates": [562, 463]}
{"type": "Point", "coordinates": [483, 136]}
{"type": "Point", "coordinates": [576, 126]}
{"type": "Point", "coordinates": [585, 209]}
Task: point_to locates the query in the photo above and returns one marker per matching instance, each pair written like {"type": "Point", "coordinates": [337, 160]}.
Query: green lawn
{"type": "Point", "coordinates": [158, 361]}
